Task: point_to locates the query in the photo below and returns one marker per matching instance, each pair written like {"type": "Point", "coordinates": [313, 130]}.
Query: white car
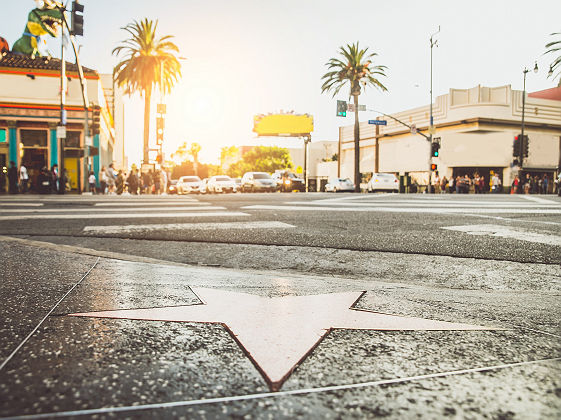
{"type": "Point", "coordinates": [339, 184]}
{"type": "Point", "coordinates": [383, 182]}
{"type": "Point", "coordinates": [221, 184]}
{"type": "Point", "coordinates": [189, 185]}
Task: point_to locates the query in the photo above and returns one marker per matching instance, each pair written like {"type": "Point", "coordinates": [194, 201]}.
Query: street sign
{"type": "Point", "coordinates": [351, 107]}
{"type": "Point", "coordinates": [61, 132]}
{"type": "Point", "coordinates": [378, 122]}
{"type": "Point", "coordinates": [413, 129]}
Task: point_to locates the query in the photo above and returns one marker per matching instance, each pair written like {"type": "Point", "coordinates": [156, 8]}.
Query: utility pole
{"type": "Point", "coordinates": [62, 132]}
{"type": "Point", "coordinates": [433, 43]}
{"type": "Point", "coordinates": [523, 138]}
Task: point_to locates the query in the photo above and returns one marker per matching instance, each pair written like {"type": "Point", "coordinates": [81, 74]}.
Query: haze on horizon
{"type": "Point", "coordinates": [250, 57]}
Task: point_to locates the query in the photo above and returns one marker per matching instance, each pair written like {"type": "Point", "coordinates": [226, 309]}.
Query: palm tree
{"type": "Point", "coordinates": [148, 62]}
{"type": "Point", "coordinates": [555, 46]}
{"type": "Point", "coordinates": [194, 151]}
{"type": "Point", "coordinates": [356, 68]}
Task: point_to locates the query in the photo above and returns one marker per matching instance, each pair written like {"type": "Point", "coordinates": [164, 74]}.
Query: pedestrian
{"type": "Point", "coordinates": [482, 184]}
{"type": "Point", "coordinates": [527, 184]}
{"type": "Point", "coordinates": [496, 184]}
{"type": "Point", "coordinates": [23, 179]}
{"type": "Point", "coordinates": [13, 178]}
{"type": "Point", "coordinates": [91, 181]}
{"type": "Point", "coordinates": [157, 179]}
{"type": "Point", "coordinates": [515, 186]}
{"type": "Point", "coordinates": [64, 181]}
{"type": "Point", "coordinates": [147, 182]}
{"type": "Point", "coordinates": [120, 182]}
{"type": "Point", "coordinates": [444, 185]}
{"type": "Point", "coordinates": [54, 178]}
{"type": "Point", "coordinates": [476, 185]}
{"type": "Point", "coordinates": [132, 180]}
{"type": "Point", "coordinates": [102, 180]}
{"type": "Point", "coordinates": [545, 184]}
{"type": "Point", "coordinates": [164, 181]}
{"type": "Point", "coordinates": [44, 181]}
{"type": "Point", "coordinates": [436, 183]}
{"type": "Point", "coordinates": [111, 177]}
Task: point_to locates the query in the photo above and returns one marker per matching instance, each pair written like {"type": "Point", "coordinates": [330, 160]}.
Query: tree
{"type": "Point", "coordinates": [555, 47]}
{"type": "Point", "coordinates": [227, 156]}
{"type": "Point", "coordinates": [261, 159]}
{"type": "Point", "coordinates": [148, 62]}
{"type": "Point", "coordinates": [194, 151]}
{"type": "Point", "coordinates": [356, 68]}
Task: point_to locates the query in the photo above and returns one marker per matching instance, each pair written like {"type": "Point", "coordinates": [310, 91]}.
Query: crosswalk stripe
{"type": "Point", "coordinates": [532, 210]}
{"type": "Point", "coordinates": [21, 204]}
{"type": "Point", "coordinates": [136, 203]}
{"type": "Point", "coordinates": [187, 226]}
{"type": "Point", "coordinates": [406, 203]}
{"type": "Point", "coordinates": [508, 232]}
{"type": "Point", "coordinates": [127, 215]}
{"type": "Point", "coordinates": [73, 210]}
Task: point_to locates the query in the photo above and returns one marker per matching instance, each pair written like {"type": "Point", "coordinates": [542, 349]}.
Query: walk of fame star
{"type": "Point", "coordinates": [278, 333]}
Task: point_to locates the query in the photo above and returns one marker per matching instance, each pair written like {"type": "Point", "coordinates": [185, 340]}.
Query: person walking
{"type": "Point", "coordinates": [527, 184]}
{"type": "Point", "coordinates": [91, 181]}
{"type": "Point", "coordinates": [545, 184]}
{"type": "Point", "coordinates": [102, 180]}
{"type": "Point", "coordinates": [120, 182]}
{"type": "Point", "coordinates": [54, 178]}
{"type": "Point", "coordinates": [111, 177]}
{"type": "Point", "coordinates": [23, 179]}
{"type": "Point", "coordinates": [13, 178]}
{"type": "Point", "coordinates": [496, 184]}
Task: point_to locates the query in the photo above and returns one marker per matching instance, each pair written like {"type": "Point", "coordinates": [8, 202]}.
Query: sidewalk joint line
{"type": "Point", "coordinates": [5, 362]}
{"type": "Point", "coordinates": [264, 395]}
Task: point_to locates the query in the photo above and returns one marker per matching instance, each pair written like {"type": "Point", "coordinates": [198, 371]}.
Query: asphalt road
{"type": "Point", "coordinates": [489, 261]}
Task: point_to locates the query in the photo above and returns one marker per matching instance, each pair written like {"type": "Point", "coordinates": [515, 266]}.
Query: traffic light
{"type": "Point", "coordinates": [433, 167]}
{"type": "Point", "coordinates": [95, 120]}
{"type": "Point", "coordinates": [77, 19]}
{"type": "Point", "coordinates": [525, 145]}
{"type": "Point", "coordinates": [159, 158]}
{"type": "Point", "coordinates": [341, 108]}
{"type": "Point", "coordinates": [434, 149]}
{"type": "Point", "coordinates": [516, 146]}
{"type": "Point", "coordinates": [160, 130]}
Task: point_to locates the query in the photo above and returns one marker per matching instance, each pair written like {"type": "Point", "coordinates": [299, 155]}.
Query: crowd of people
{"type": "Point", "coordinates": [45, 181]}
{"type": "Point", "coordinates": [119, 182]}
{"type": "Point", "coordinates": [478, 184]}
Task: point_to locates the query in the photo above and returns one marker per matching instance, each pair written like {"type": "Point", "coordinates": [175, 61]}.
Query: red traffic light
{"type": "Point", "coordinates": [433, 166]}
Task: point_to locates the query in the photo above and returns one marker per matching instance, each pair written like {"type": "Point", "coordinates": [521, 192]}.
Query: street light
{"type": "Point", "coordinates": [521, 152]}
{"type": "Point", "coordinates": [431, 122]}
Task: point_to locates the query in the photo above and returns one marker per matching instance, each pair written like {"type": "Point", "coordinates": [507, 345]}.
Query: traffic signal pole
{"type": "Point", "coordinates": [522, 140]}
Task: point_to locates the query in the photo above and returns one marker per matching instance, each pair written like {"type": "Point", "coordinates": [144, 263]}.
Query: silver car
{"type": "Point", "coordinates": [258, 181]}
{"type": "Point", "coordinates": [383, 182]}
{"type": "Point", "coordinates": [339, 184]}
{"type": "Point", "coordinates": [220, 184]}
{"type": "Point", "coordinates": [189, 185]}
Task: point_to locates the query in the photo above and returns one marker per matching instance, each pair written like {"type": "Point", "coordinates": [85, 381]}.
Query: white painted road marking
{"type": "Point", "coordinates": [538, 199]}
{"type": "Point", "coordinates": [128, 215]}
{"type": "Point", "coordinates": [21, 204]}
{"type": "Point", "coordinates": [187, 226]}
{"type": "Point", "coordinates": [149, 202]}
{"type": "Point", "coordinates": [127, 209]}
{"type": "Point", "coordinates": [508, 232]}
{"type": "Point", "coordinates": [532, 210]}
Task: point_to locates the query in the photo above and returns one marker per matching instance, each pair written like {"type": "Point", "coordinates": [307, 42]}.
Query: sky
{"type": "Point", "coordinates": [248, 57]}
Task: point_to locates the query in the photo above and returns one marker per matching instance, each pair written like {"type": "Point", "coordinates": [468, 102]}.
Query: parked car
{"type": "Point", "coordinates": [189, 185]}
{"type": "Point", "coordinates": [339, 184]}
{"type": "Point", "coordinates": [221, 184]}
{"type": "Point", "coordinates": [383, 182]}
{"type": "Point", "coordinates": [287, 181]}
{"type": "Point", "coordinates": [238, 184]}
{"type": "Point", "coordinates": [258, 181]}
{"type": "Point", "coordinates": [204, 189]}
{"type": "Point", "coordinates": [172, 186]}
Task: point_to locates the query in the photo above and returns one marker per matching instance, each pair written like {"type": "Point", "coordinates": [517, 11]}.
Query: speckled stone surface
{"type": "Point", "coordinates": [88, 363]}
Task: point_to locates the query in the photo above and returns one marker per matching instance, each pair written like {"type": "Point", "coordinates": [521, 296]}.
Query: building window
{"type": "Point", "coordinates": [3, 137]}
{"type": "Point", "coordinates": [72, 139]}
{"type": "Point", "coordinates": [33, 138]}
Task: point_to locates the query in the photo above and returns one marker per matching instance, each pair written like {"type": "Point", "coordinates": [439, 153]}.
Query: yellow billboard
{"type": "Point", "coordinates": [289, 125]}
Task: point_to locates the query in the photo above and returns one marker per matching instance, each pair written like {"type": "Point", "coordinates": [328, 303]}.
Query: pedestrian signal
{"type": "Point", "coordinates": [341, 108]}
{"type": "Point", "coordinates": [434, 149]}
{"type": "Point", "coordinates": [433, 167]}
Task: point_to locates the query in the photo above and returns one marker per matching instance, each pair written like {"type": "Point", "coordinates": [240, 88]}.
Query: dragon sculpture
{"type": "Point", "coordinates": [45, 19]}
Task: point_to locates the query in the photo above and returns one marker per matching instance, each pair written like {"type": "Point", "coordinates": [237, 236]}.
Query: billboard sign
{"type": "Point", "coordinates": [285, 125]}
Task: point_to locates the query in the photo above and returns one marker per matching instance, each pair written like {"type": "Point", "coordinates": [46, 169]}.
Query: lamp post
{"type": "Point", "coordinates": [433, 43]}
{"type": "Point", "coordinates": [522, 140]}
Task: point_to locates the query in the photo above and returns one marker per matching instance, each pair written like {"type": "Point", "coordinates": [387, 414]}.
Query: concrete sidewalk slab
{"type": "Point", "coordinates": [198, 370]}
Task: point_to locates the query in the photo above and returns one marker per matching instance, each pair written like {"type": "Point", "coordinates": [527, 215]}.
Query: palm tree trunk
{"type": "Point", "coordinates": [146, 144]}
{"type": "Point", "coordinates": [357, 147]}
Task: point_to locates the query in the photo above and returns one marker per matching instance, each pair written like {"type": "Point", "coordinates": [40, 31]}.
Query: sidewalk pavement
{"type": "Point", "coordinates": [200, 342]}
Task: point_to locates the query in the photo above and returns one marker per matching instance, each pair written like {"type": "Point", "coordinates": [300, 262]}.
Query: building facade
{"type": "Point", "coordinates": [30, 112]}
{"type": "Point", "coordinates": [476, 129]}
